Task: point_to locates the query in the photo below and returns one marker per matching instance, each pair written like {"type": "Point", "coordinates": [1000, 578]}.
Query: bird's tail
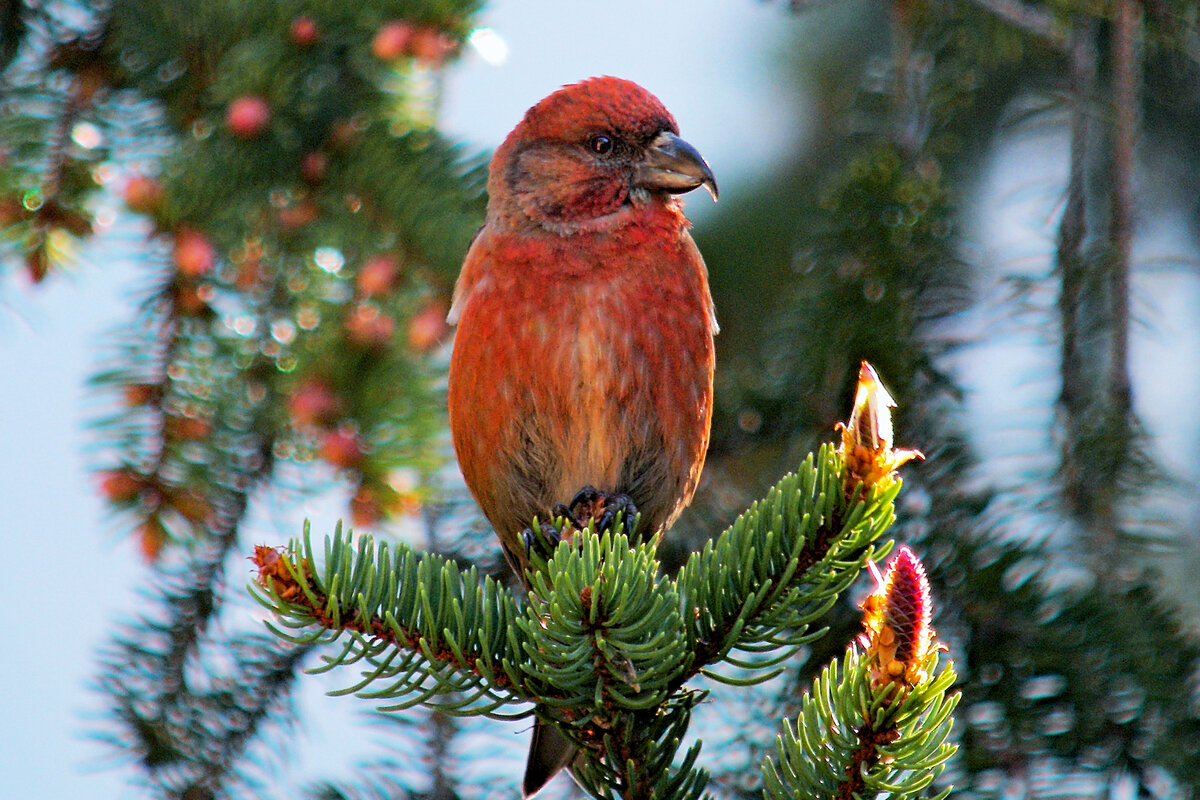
{"type": "Point", "coordinates": [549, 751]}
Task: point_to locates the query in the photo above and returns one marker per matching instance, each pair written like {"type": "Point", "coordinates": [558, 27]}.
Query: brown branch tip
{"type": "Point", "coordinates": [274, 575]}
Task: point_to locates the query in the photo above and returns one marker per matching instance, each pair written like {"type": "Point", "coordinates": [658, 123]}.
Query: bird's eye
{"type": "Point", "coordinates": [600, 144]}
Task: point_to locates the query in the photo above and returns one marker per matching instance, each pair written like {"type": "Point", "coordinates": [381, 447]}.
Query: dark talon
{"type": "Point", "coordinates": [617, 504]}
{"type": "Point", "coordinates": [586, 495]}
{"type": "Point", "coordinates": [545, 540]}
{"type": "Point", "coordinates": [560, 510]}
{"type": "Point", "coordinates": [589, 503]}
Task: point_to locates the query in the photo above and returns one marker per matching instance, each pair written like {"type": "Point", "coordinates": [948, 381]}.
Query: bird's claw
{"type": "Point", "coordinates": [564, 511]}
{"type": "Point", "coordinates": [589, 503]}
{"type": "Point", "coordinates": [618, 504]}
{"type": "Point", "coordinates": [544, 541]}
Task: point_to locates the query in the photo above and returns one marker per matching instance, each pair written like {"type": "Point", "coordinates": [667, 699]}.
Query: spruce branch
{"type": "Point", "coordinates": [851, 740]}
{"type": "Point", "coordinates": [234, 712]}
{"type": "Point", "coordinates": [1126, 98]}
{"type": "Point", "coordinates": [605, 642]}
{"type": "Point", "coordinates": [760, 585]}
{"type": "Point", "coordinates": [635, 757]}
{"type": "Point", "coordinates": [880, 723]}
{"type": "Point", "coordinates": [1070, 254]}
{"type": "Point", "coordinates": [1032, 20]}
{"type": "Point", "coordinates": [602, 629]}
{"type": "Point", "coordinates": [189, 707]}
{"type": "Point", "coordinates": [425, 627]}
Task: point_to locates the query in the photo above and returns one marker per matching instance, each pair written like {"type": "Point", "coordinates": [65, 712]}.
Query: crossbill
{"type": "Point", "coordinates": [582, 368]}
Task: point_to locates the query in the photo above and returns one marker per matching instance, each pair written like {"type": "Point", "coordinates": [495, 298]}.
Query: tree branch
{"type": "Point", "coordinates": [1030, 19]}
{"type": "Point", "coordinates": [1072, 234]}
{"type": "Point", "coordinates": [1125, 57]}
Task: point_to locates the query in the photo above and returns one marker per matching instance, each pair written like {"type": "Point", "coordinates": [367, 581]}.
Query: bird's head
{"type": "Point", "coordinates": [586, 153]}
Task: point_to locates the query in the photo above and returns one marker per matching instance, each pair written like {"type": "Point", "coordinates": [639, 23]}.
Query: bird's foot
{"type": "Point", "coordinates": [562, 511]}
{"type": "Point", "coordinates": [618, 505]}
{"type": "Point", "coordinates": [543, 541]}
{"type": "Point", "coordinates": [589, 503]}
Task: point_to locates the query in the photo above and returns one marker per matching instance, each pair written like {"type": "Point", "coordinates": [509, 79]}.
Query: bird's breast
{"type": "Point", "coordinates": [587, 368]}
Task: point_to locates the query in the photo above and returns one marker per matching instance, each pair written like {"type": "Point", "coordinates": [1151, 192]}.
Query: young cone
{"type": "Point", "coordinates": [867, 437]}
{"type": "Point", "coordinates": [898, 637]}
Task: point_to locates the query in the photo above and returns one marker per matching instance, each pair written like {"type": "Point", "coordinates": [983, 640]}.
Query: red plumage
{"type": "Point", "coordinates": [584, 351]}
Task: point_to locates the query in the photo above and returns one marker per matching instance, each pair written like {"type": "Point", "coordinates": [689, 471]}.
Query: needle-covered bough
{"type": "Point", "coordinates": [605, 647]}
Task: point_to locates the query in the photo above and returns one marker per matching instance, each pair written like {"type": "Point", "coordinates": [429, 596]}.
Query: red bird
{"type": "Point", "coordinates": [583, 362]}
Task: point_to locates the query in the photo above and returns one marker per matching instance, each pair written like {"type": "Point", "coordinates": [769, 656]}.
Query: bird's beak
{"type": "Point", "coordinates": [673, 165]}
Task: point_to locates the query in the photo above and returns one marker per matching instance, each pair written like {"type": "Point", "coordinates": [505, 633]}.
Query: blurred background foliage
{"type": "Point", "coordinates": [306, 223]}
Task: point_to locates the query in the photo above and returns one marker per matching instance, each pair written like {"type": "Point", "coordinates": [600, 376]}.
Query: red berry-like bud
{"type": "Point", "coordinates": [428, 327]}
{"type": "Point", "coordinates": [194, 254]}
{"type": "Point", "coordinates": [144, 195]}
{"type": "Point", "coordinates": [368, 327]}
{"type": "Point", "coordinates": [313, 166]}
{"type": "Point", "coordinates": [248, 116]}
{"type": "Point", "coordinates": [141, 394]}
{"type": "Point", "coordinates": [298, 215]}
{"type": "Point", "coordinates": [190, 505]}
{"type": "Point", "coordinates": [378, 275]}
{"type": "Point", "coordinates": [342, 448]}
{"type": "Point", "coordinates": [346, 132]}
{"type": "Point", "coordinates": [304, 32]}
{"type": "Point", "coordinates": [898, 636]}
{"type": "Point", "coordinates": [908, 610]}
{"type": "Point", "coordinates": [121, 485]}
{"type": "Point", "coordinates": [275, 573]}
{"type": "Point", "coordinates": [391, 41]}
{"type": "Point", "coordinates": [152, 537]}
{"type": "Point", "coordinates": [251, 271]}
{"type": "Point", "coordinates": [314, 403]}
{"type": "Point", "coordinates": [189, 299]}
{"type": "Point", "coordinates": [270, 563]}
{"type": "Point", "coordinates": [189, 429]}
{"type": "Point", "coordinates": [431, 46]}
{"type": "Point", "coordinates": [366, 509]}
{"type": "Point", "coordinates": [37, 263]}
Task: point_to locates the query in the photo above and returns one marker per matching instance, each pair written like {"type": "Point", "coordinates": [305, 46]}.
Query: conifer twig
{"type": "Point", "coordinates": [1030, 19]}
{"type": "Point", "coordinates": [1070, 256]}
{"type": "Point", "coordinates": [1126, 97]}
